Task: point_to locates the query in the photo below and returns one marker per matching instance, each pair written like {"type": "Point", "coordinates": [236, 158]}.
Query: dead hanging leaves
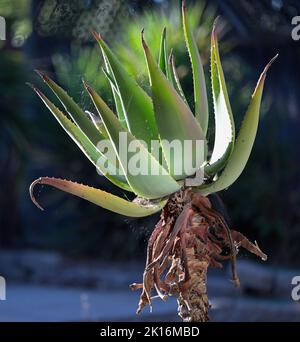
{"type": "Point", "coordinates": [189, 237]}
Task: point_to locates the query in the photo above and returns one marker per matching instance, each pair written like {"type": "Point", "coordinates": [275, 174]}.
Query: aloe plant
{"type": "Point", "coordinates": [190, 235]}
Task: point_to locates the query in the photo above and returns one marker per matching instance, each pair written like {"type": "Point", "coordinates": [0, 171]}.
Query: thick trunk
{"type": "Point", "coordinates": [195, 307]}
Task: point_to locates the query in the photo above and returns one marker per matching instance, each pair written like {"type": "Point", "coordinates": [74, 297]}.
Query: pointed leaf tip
{"type": "Point", "coordinates": [37, 91]}
{"type": "Point", "coordinates": [264, 73]}
{"type": "Point", "coordinates": [98, 197]}
{"type": "Point", "coordinates": [96, 35]}
{"type": "Point", "coordinates": [145, 46]}
{"type": "Point", "coordinates": [270, 63]}
{"type": "Point", "coordinates": [31, 192]}
{"type": "Point", "coordinates": [244, 142]}
{"type": "Point", "coordinates": [162, 57]}
{"type": "Point", "coordinates": [42, 75]}
{"type": "Point", "coordinates": [30, 85]}
{"type": "Point", "coordinates": [215, 24]}
{"type": "Point", "coordinates": [86, 86]}
{"type": "Point", "coordinates": [199, 83]}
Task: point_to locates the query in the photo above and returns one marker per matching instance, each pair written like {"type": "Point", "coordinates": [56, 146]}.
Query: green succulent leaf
{"type": "Point", "coordinates": [224, 121]}
{"type": "Point", "coordinates": [99, 197]}
{"type": "Point", "coordinates": [117, 98]}
{"type": "Point", "coordinates": [174, 78]}
{"type": "Point", "coordinates": [244, 141]}
{"type": "Point", "coordinates": [162, 59]}
{"type": "Point", "coordinates": [147, 185]}
{"type": "Point", "coordinates": [97, 123]}
{"type": "Point", "coordinates": [94, 132]}
{"type": "Point", "coordinates": [174, 119]}
{"type": "Point", "coordinates": [72, 108]}
{"type": "Point", "coordinates": [200, 95]}
{"type": "Point", "coordinates": [137, 105]}
{"type": "Point", "coordinates": [110, 78]}
{"type": "Point", "coordinates": [86, 146]}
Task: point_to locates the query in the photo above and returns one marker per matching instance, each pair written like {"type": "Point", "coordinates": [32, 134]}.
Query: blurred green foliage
{"type": "Point", "coordinates": [129, 49]}
{"type": "Point", "coordinates": [74, 19]}
{"type": "Point", "coordinates": [15, 132]}
{"type": "Point", "coordinates": [19, 25]}
{"type": "Point", "coordinates": [86, 61]}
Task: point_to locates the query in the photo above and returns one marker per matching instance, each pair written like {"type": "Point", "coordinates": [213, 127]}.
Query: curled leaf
{"type": "Point", "coordinates": [98, 197]}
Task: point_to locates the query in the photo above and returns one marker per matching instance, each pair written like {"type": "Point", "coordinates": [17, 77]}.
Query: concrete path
{"type": "Point", "coordinates": [38, 303]}
{"type": "Point", "coordinates": [32, 303]}
{"type": "Point", "coordinates": [45, 286]}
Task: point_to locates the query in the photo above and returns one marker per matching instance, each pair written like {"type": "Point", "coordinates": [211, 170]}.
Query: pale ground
{"type": "Point", "coordinates": [32, 303]}
{"type": "Point", "coordinates": [46, 287]}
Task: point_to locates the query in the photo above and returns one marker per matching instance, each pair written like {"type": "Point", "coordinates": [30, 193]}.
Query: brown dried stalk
{"type": "Point", "coordinates": [189, 237]}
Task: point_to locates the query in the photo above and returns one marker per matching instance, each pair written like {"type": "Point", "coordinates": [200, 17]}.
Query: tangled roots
{"type": "Point", "coordinates": [189, 237]}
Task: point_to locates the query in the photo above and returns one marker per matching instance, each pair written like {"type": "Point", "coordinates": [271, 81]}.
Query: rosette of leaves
{"type": "Point", "coordinates": [191, 235]}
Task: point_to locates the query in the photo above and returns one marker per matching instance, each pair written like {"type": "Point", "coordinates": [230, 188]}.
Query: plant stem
{"type": "Point", "coordinates": [189, 237]}
{"type": "Point", "coordinates": [195, 307]}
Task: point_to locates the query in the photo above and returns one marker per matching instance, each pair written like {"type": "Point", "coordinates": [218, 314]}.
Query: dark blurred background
{"type": "Point", "coordinates": [55, 36]}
